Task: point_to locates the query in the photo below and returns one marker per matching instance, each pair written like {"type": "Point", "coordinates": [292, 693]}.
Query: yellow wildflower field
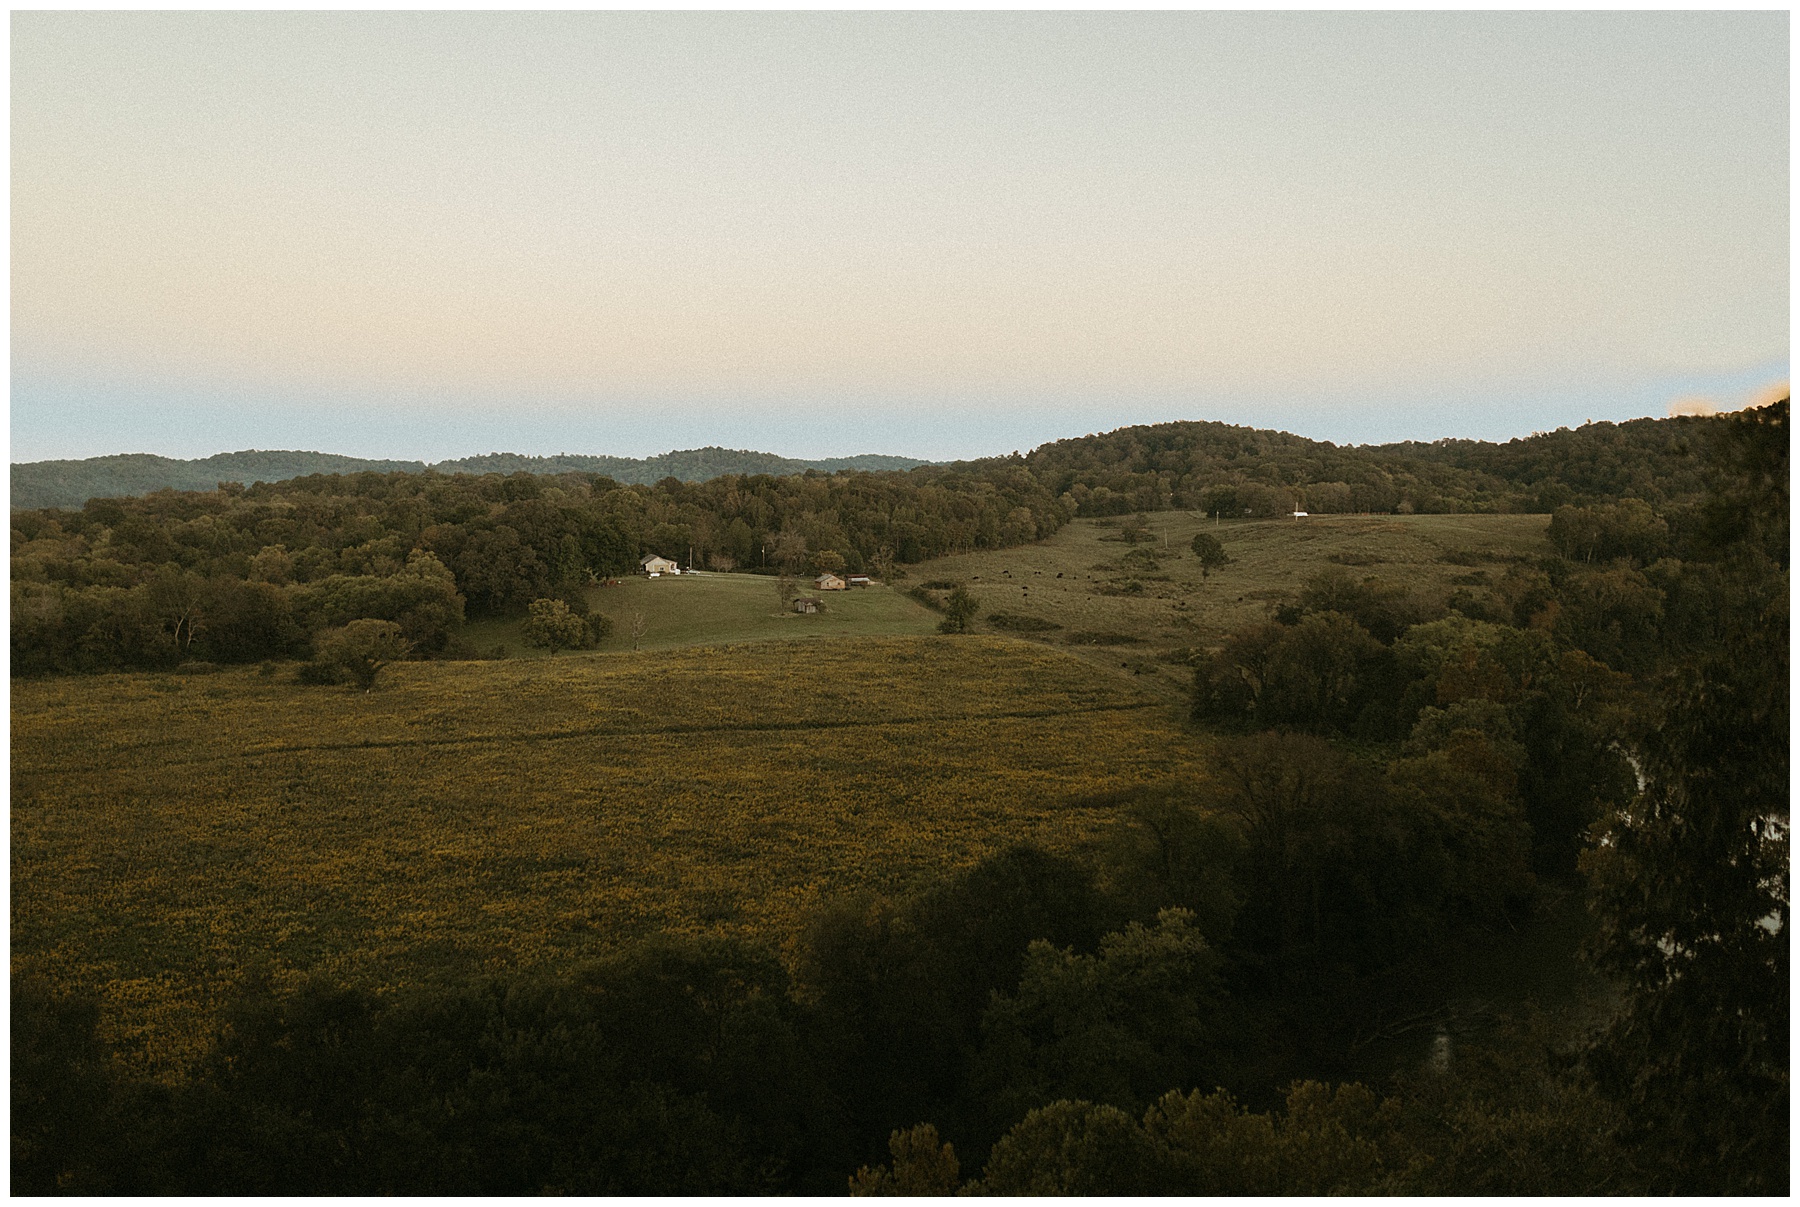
{"type": "Point", "coordinates": [172, 834]}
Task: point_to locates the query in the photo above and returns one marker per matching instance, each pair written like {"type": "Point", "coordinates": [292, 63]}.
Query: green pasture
{"type": "Point", "coordinates": [1087, 581]}
{"type": "Point", "coordinates": [716, 609]}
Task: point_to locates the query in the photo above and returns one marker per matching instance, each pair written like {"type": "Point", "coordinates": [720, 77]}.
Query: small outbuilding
{"type": "Point", "coordinates": [860, 580]}
{"type": "Point", "coordinates": [808, 606]}
{"type": "Point", "coordinates": [828, 582]}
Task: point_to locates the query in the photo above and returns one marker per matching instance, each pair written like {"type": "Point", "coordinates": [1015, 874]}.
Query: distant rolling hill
{"type": "Point", "coordinates": [72, 483]}
{"type": "Point", "coordinates": [689, 465]}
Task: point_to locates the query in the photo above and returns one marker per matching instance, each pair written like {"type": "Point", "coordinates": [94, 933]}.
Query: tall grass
{"type": "Point", "coordinates": [173, 835]}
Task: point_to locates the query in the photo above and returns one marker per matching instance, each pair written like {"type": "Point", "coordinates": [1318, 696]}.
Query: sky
{"type": "Point", "coordinates": [939, 234]}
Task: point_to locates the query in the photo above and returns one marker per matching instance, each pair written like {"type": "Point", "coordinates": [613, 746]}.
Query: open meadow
{"type": "Point", "coordinates": [712, 609]}
{"type": "Point", "coordinates": [1132, 607]}
{"type": "Point", "coordinates": [1140, 606]}
{"type": "Point", "coordinates": [171, 833]}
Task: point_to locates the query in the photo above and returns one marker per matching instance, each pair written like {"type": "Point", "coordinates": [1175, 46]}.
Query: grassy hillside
{"type": "Point", "coordinates": [692, 609]}
{"type": "Point", "coordinates": [1080, 582]}
{"type": "Point", "coordinates": [173, 834]}
{"type": "Point", "coordinates": [1106, 600]}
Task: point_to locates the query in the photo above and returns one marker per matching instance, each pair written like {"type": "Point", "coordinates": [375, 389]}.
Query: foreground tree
{"type": "Point", "coordinates": [1115, 1027]}
{"type": "Point", "coordinates": [1073, 1148]}
{"type": "Point", "coordinates": [1329, 1140]}
{"type": "Point", "coordinates": [1690, 884]}
{"type": "Point", "coordinates": [923, 1165]}
{"type": "Point", "coordinates": [1690, 880]}
{"type": "Point", "coordinates": [61, 1086]}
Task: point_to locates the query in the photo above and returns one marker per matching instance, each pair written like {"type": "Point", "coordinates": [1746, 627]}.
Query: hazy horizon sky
{"type": "Point", "coordinates": [939, 234]}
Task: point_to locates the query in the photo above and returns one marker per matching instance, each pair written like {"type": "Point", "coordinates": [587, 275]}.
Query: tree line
{"type": "Point", "coordinates": [243, 574]}
{"type": "Point", "coordinates": [239, 575]}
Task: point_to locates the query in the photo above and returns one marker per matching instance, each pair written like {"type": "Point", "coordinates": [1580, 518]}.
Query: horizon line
{"type": "Point", "coordinates": [922, 461]}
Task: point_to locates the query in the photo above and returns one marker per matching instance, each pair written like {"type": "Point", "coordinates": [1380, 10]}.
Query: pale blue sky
{"type": "Point", "coordinates": [943, 234]}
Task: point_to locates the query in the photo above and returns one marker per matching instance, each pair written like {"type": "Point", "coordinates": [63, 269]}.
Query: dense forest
{"type": "Point", "coordinates": [244, 574]}
{"type": "Point", "coordinates": [1220, 468]}
{"type": "Point", "coordinates": [1175, 1014]}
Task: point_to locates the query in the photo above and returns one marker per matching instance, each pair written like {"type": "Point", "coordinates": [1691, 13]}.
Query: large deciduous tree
{"type": "Point", "coordinates": [1690, 883]}
{"type": "Point", "coordinates": [959, 612]}
{"type": "Point", "coordinates": [1116, 1027]}
{"type": "Point", "coordinates": [361, 648]}
{"type": "Point", "coordinates": [1210, 552]}
{"type": "Point", "coordinates": [1690, 880]}
{"type": "Point", "coordinates": [552, 626]}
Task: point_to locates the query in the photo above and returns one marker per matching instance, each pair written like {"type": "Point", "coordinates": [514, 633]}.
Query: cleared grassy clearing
{"type": "Point", "coordinates": [716, 608]}
{"type": "Point", "coordinates": [1100, 593]}
{"type": "Point", "coordinates": [1173, 606]}
{"type": "Point", "coordinates": [170, 834]}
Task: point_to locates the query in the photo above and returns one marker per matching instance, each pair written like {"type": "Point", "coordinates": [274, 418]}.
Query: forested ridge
{"type": "Point", "coordinates": [1391, 781]}
{"type": "Point", "coordinates": [1218, 467]}
{"type": "Point", "coordinates": [1131, 469]}
{"type": "Point", "coordinates": [70, 483]}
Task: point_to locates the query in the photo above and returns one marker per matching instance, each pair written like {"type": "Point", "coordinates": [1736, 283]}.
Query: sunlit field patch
{"type": "Point", "coordinates": [172, 835]}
